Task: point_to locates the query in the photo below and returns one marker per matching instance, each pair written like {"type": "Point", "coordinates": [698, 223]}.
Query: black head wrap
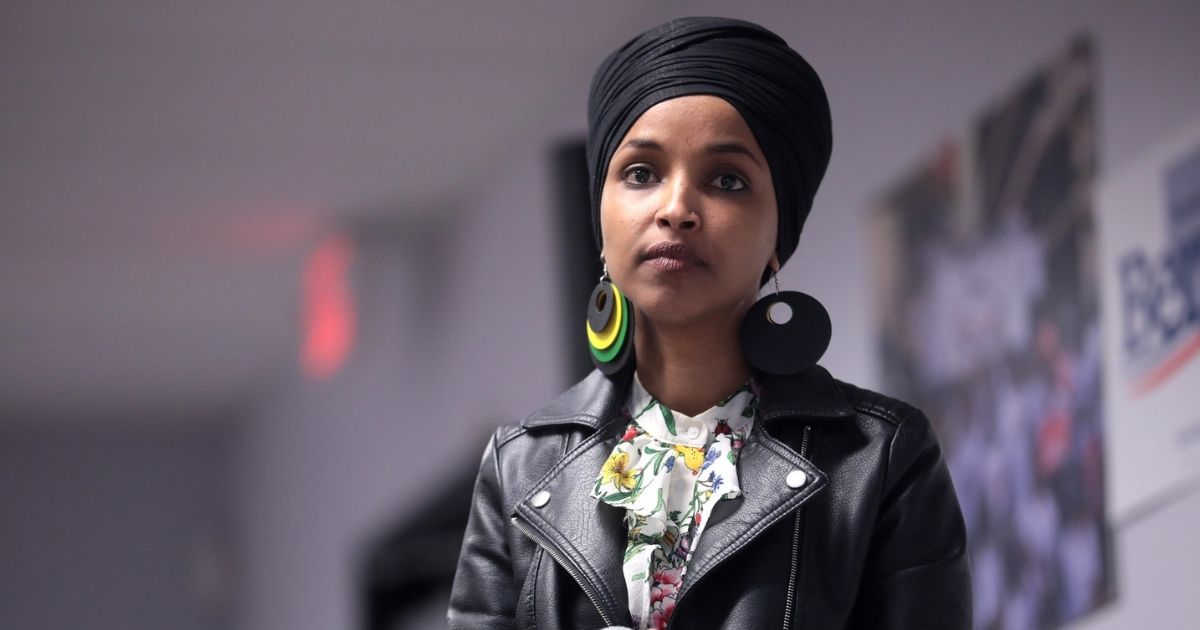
{"type": "Point", "coordinates": [774, 89]}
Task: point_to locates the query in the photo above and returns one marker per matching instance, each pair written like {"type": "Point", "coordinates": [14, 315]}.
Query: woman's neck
{"type": "Point", "coordinates": [690, 368]}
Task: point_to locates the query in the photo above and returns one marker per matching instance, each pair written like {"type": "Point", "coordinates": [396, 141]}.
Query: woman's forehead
{"type": "Point", "coordinates": [688, 120]}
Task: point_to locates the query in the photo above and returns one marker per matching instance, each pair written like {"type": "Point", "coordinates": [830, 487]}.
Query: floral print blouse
{"type": "Point", "coordinates": [668, 471]}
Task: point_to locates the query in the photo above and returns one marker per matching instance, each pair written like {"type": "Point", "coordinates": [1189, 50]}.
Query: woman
{"type": "Point", "coordinates": [709, 474]}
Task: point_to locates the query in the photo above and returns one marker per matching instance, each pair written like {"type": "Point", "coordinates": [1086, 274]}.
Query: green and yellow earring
{"type": "Point", "coordinates": [609, 327]}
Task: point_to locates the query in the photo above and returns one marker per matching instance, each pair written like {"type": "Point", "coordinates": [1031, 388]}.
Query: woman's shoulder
{"type": "Point", "coordinates": [907, 428]}
{"type": "Point", "coordinates": [875, 404]}
{"type": "Point", "coordinates": [815, 393]}
{"type": "Point", "coordinates": [901, 429]}
{"type": "Point", "coordinates": [881, 433]}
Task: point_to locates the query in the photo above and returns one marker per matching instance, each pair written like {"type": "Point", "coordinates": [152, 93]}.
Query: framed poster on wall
{"type": "Point", "coordinates": [988, 319]}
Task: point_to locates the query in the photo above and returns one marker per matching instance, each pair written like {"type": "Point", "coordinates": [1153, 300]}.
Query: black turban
{"type": "Point", "coordinates": [774, 89]}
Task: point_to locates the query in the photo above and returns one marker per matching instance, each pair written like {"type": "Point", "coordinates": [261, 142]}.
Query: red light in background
{"type": "Point", "coordinates": [330, 320]}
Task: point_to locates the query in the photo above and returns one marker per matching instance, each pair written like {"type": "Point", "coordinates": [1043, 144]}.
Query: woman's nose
{"type": "Point", "coordinates": [678, 210]}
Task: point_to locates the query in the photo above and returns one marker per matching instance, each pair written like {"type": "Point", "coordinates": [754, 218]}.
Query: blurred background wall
{"type": "Point", "coordinates": [270, 272]}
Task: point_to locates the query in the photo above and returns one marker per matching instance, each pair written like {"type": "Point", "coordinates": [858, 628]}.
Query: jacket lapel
{"type": "Point", "coordinates": [586, 536]}
{"type": "Point", "coordinates": [764, 466]}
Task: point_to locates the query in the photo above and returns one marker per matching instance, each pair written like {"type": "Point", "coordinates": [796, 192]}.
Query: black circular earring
{"type": "Point", "coordinates": [609, 327]}
{"type": "Point", "coordinates": [785, 332]}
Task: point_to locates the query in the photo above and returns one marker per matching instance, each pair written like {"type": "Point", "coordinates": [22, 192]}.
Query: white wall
{"type": "Point", "coordinates": [463, 320]}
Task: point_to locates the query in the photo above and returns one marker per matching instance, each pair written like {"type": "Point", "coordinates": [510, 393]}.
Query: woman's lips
{"type": "Point", "coordinates": [672, 256]}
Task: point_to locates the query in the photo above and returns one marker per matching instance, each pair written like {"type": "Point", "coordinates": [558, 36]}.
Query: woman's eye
{"type": "Point", "coordinates": [729, 182]}
{"type": "Point", "coordinates": [638, 175]}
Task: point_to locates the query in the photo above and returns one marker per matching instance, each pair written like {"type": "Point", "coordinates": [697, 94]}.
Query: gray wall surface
{"type": "Point", "coordinates": [116, 529]}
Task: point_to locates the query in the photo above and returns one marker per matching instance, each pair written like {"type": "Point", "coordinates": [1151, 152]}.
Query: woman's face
{"type": "Point", "coordinates": [687, 212]}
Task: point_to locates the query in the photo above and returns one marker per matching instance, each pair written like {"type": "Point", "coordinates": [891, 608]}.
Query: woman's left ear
{"type": "Point", "coordinates": [771, 270]}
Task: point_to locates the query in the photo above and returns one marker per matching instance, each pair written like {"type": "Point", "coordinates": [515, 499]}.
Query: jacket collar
{"type": "Point", "coordinates": [596, 399]}
{"type": "Point", "coordinates": [584, 534]}
{"type": "Point", "coordinates": [812, 393]}
{"type": "Point", "coordinates": [591, 402]}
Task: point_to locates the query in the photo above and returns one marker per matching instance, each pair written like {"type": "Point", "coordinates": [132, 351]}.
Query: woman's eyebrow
{"type": "Point", "coordinates": [641, 143]}
{"type": "Point", "coordinates": [732, 147]}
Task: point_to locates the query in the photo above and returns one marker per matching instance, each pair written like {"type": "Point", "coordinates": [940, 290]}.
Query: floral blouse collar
{"type": "Point", "coordinates": [674, 427]}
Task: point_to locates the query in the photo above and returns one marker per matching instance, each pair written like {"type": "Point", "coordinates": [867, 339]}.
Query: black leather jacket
{"type": "Point", "coordinates": [873, 538]}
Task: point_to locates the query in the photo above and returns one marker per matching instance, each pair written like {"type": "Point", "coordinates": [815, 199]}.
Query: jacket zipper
{"type": "Point", "coordinates": [570, 568]}
{"type": "Point", "coordinates": [790, 603]}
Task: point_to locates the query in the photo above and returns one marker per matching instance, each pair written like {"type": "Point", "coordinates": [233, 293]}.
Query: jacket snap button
{"type": "Point", "coordinates": [540, 499]}
{"type": "Point", "coordinates": [796, 478]}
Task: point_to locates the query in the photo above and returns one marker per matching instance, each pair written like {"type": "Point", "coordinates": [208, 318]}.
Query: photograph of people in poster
{"type": "Point", "coordinates": [987, 318]}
